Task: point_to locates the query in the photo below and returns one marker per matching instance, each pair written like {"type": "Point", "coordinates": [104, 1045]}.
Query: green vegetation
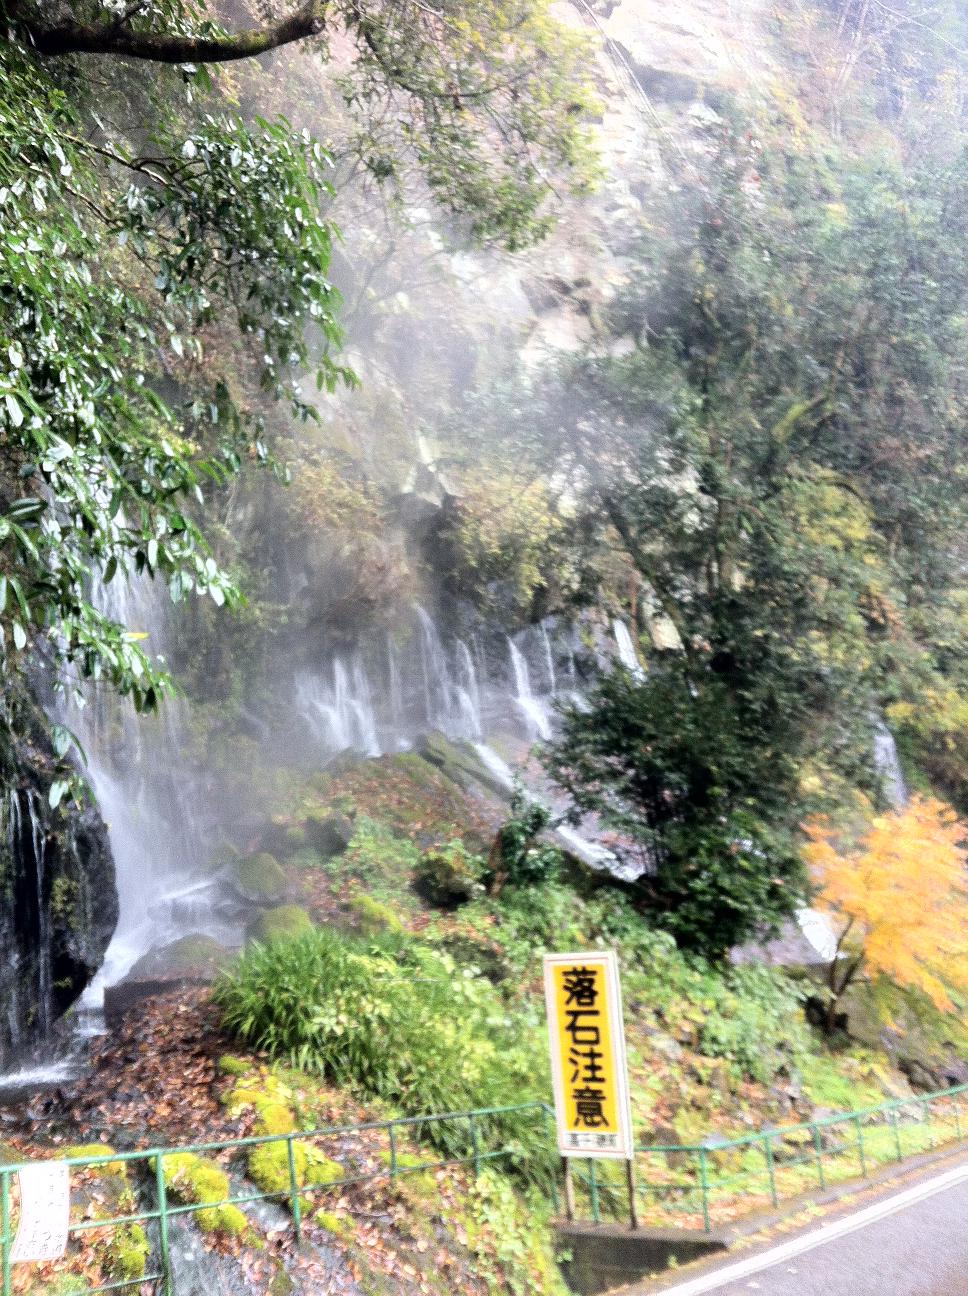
{"type": "Point", "coordinates": [128, 1252]}
{"type": "Point", "coordinates": [195, 1180]}
{"type": "Point", "coordinates": [450, 875]}
{"type": "Point", "coordinates": [791, 573]}
{"type": "Point", "coordinates": [519, 856]}
{"type": "Point", "coordinates": [397, 1021]}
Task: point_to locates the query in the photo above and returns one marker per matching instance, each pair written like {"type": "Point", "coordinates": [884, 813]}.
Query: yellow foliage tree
{"type": "Point", "coordinates": [899, 900]}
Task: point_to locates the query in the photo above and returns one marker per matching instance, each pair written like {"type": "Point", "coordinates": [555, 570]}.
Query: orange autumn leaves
{"type": "Point", "coordinates": [898, 898]}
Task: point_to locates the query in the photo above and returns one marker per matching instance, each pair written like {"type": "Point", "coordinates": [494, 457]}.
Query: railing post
{"type": "Point", "coordinates": [818, 1148]}
{"type": "Point", "coordinates": [897, 1135]}
{"type": "Point", "coordinates": [768, 1144]}
{"type": "Point", "coordinates": [393, 1151]}
{"type": "Point", "coordinates": [593, 1188]}
{"type": "Point", "coordinates": [932, 1142]}
{"type": "Point", "coordinates": [294, 1189]}
{"type": "Point", "coordinates": [546, 1119]}
{"type": "Point", "coordinates": [7, 1239]}
{"type": "Point", "coordinates": [569, 1188]}
{"type": "Point", "coordinates": [704, 1186]}
{"type": "Point", "coordinates": [162, 1194]}
{"type": "Point", "coordinates": [475, 1145]}
{"type": "Point", "coordinates": [630, 1184]}
{"type": "Point", "coordinates": [860, 1146]}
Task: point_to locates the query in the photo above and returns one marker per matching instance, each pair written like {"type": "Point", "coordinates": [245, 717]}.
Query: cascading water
{"type": "Point", "coordinates": [157, 825]}
{"type": "Point", "coordinates": [534, 709]}
{"type": "Point", "coordinates": [626, 649]}
{"type": "Point", "coordinates": [340, 711]}
{"type": "Point", "coordinates": [888, 765]}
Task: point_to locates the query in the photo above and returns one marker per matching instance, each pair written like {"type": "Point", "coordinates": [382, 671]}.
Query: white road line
{"type": "Point", "coordinates": [819, 1237]}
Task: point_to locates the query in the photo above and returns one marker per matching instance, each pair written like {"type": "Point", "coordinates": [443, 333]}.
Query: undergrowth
{"type": "Point", "coordinates": [395, 1020]}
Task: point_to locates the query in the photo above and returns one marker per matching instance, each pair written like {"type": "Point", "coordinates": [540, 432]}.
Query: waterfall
{"type": "Point", "coordinates": [340, 713]}
{"type": "Point", "coordinates": [532, 708]}
{"type": "Point", "coordinates": [626, 649]}
{"type": "Point", "coordinates": [549, 660]}
{"type": "Point", "coordinates": [45, 979]}
{"type": "Point", "coordinates": [468, 692]}
{"type": "Point", "coordinates": [393, 681]}
{"type": "Point", "coordinates": [148, 798]}
{"type": "Point", "coordinates": [888, 765]}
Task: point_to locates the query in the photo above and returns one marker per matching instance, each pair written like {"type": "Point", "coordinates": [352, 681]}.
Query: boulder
{"type": "Point", "coordinates": [284, 922]}
{"type": "Point", "coordinates": [328, 834]}
{"type": "Point", "coordinates": [260, 879]}
{"type": "Point", "coordinates": [195, 957]}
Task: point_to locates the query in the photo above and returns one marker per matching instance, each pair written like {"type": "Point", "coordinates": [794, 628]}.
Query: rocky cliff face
{"type": "Point", "coordinates": [58, 905]}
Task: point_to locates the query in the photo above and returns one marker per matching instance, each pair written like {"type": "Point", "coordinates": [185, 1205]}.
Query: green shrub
{"type": "Point", "coordinates": [756, 1022]}
{"type": "Point", "coordinates": [523, 859]}
{"type": "Point", "coordinates": [751, 1016]}
{"type": "Point", "coordinates": [397, 1022]}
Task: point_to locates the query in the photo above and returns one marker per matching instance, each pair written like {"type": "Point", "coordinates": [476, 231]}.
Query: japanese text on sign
{"type": "Point", "coordinates": [584, 1004]}
{"type": "Point", "coordinates": [45, 1194]}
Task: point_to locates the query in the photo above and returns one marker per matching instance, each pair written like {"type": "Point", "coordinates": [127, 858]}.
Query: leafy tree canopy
{"type": "Point", "coordinates": [154, 246]}
{"type": "Point", "coordinates": [773, 461]}
{"type": "Point", "coordinates": [899, 900]}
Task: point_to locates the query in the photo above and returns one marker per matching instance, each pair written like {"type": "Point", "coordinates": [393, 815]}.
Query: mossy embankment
{"type": "Point", "coordinates": [385, 980]}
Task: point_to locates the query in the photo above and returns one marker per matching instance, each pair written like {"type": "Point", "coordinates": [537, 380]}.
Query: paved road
{"type": "Point", "coordinates": [919, 1249]}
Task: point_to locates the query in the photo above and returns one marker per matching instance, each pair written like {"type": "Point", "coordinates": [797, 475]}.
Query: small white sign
{"type": "Point", "coordinates": [45, 1211]}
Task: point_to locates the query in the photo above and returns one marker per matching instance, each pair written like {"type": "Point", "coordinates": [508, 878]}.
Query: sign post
{"type": "Point", "coordinates": [593, 1118]}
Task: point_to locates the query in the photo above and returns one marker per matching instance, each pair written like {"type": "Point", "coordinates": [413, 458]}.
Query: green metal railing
{"type": "Point", "coordinates": [684, 1183]}
{"type": "Point", "coordinates": [151, 1162]}
{"type": "Point", "coordinates": [720, 1179]}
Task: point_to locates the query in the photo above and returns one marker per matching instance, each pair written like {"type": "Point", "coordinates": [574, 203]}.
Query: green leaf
{"type": "Point", "coordinates": [14, 412]}
{"type": "Point", "coordinates": [57, 791]}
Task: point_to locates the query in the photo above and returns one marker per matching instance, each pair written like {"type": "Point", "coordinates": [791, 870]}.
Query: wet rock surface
{"type": "Point", "coordinates": [58, 904]}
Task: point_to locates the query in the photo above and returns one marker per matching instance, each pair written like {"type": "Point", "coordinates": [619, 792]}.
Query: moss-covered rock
{"type": "Point", "coordinates": [196, 956]}
{"type": "Point", "coordinates": [233, 1066]}
{"type": "Point", "coordinates": [372, 916]}
{"type": "Point", "coordinates": [459, 762]}
{"type": "Point", "coordinates": [327, 833]}
{"type": "Point", "coordinates": [224, 856]}
{"type": "Point", "coordinates": [85, 1150]}
{"type": "Point", "coordinates": [264, 1093]}
{"type": "Point", "coordinates": [260, 878]}
{"type": "Point", "coordinates": [194, 1180]}
{"type": "Point", "coordinates": [338, 1225]}
{"type": "Point", "coordinates": [450, 875]}
{"type": "Point", "coordinates": [285, 922]}
{"type": "Point", "coordinates": [269, 1168]}
{"type": "Point", "coordinates": [127, 1252]}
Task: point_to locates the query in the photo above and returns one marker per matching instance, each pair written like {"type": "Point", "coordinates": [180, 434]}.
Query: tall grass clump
{"type": "Point", "coordinates": [397, 1021]}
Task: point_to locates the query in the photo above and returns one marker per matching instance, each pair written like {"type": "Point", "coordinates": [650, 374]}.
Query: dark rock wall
{"type": "Point", "coordinates": [58, 903]}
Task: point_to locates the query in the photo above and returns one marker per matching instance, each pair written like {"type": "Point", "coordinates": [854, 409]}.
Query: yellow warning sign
{"type": "Point", "coordinates": [584, 1002]}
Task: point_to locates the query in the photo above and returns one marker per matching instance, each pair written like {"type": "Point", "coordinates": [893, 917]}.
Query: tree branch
{"type": "Point", "coordinates": [166, 47]}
